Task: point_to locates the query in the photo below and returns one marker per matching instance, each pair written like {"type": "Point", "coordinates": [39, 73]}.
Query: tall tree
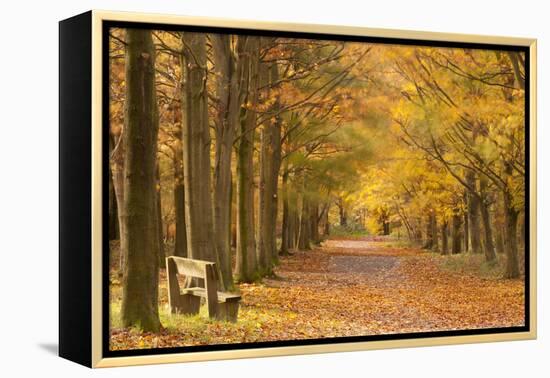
{"type": "Point", "coordinates": [473, 213]}
{"type": "Point", "coordinates": [285, 226]}
{"type": "Point", "coordinates": [444, 237]}
{"type": "Point", "coordinates": [511, 217]}
{"type": "Point", "coordinates": [158, 219]}
{"type": "Point", "coordinates": [139, 243]}
{"type": "Point", "coordinates": [305, 224]}
{"type": "Point", "coordinates": [180, 245]}
{"type": "Point", "coordinates": [270, 163]}
{"type": "Point", "coordinates": [196, 150]}
{"type": "Point", "coordinates": [314, 222]}
{"type": "Point", "coordinates": [117, 167]}
{"type": "Point", "coordinates": [456, 245]}
{"type": "Point", "coordinates": [289, 210]}
{"type": "Point", "coordinates": [228, 68]}
{"type": "Point", "coordinates": [488, 245]}
{"type": "Point", "coordinates": [246, 268]}
{"type": "Point", "coordinates": [114, 229]}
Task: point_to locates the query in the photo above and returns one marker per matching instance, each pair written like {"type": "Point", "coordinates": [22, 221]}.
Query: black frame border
{"type": "Point", "coordinates": [106, 352]}
{"type": "Point", "coordinates": [75, 181]}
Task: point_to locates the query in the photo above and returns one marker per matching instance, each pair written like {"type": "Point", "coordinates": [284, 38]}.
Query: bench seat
{"type": "Point", "coordinates": [222, 296]}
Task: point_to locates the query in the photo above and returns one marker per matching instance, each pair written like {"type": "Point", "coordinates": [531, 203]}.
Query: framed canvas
{"type": "Point", "coordinates": [235, 189]}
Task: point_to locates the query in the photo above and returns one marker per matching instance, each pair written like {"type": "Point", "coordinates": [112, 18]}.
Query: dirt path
{"type": "Point", "coordinates": [369, 287]}
{"type": "Point", "coordinates": [361, 264]}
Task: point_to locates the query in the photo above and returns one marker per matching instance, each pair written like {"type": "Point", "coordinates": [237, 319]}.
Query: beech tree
{"type": "Point", "coordinates": [247, 262]}
{"type": "Point", "coordinates": [180, 245]}
{"type": "Point", "coordinates": [229, 70]}
{"type": "Point", "coordinates": [139, 241]}
{"type": "Point", "coordinates": [196, 150]}
{"type": "Point", "coordinates": [270, 163]}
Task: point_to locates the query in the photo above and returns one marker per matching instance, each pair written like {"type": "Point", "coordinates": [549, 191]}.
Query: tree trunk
{"type": "Point", "coordinates": [159, 232]}
{"type": "Point", "coordinates": [488, 246]}
{"type": "Point", "coordinates": [196, 151]}
{"type": "Point", "coordinates": [285, 238]}
{"type": "Point", "coordinates": [180, 245]}
{"type": "Point", "coordinates": [228, 68]}
{"type": "Point", "coordinates": [264, 226]}
{"type": "Point", "coordinates": [500, 241]}
{"type": "Point", "coordinates": [246, 269]}
{"type": "Point", "coordinates": [314, 222]}
{"type": "Point", "coordinates": [435, 243]}
{"type": "Point", "coordinates": [139, 246]}
{"type": "Point", "coordinates": [429, 232]}
{"type": "Point", "coordinates": [520, 80]}
{"type": "Point", "coordinates": [295, 225]}
{"type": "Point", "coordinates": [293, 220]}
{"type": "Point", "coordinates": [522, 231]}
{"type": "Point", "coordinates": [305, 227]}
{"type": "Point", "coordinates": [386, 228]}
{"type": "Point", "coordinates": [511, 218]}
{"type": "Point", "coordinates": [466, 234]}
{"type": "Point", "coordinates": [455, 234]}
{"type": "Point", "coordinates": [473, 214]}
{"type": "Point", "coordinates": [405, 221]}
{"type": "Point", "coordinates": [326, 223]}
{"type": "Point", "coordinates": [113, 206]}
{"type": "Point", "coordinates": [276, 156]}
{"type": "Point", "coordinates": [343, 215]}
{"type": "Point", "coordinates": [117, 158]}
{"type": "Point", "coordinates": [417, 230]}
{"type": "Point", "coordinates": [263, 244]}
{"type": "Point", "coordinates": [444, 239]}
{"type": "Point", "coordinates": [270, 162]}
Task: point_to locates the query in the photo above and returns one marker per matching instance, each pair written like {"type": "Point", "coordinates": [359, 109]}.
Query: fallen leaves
{"type": "Point", "coordinates": [345, 288]}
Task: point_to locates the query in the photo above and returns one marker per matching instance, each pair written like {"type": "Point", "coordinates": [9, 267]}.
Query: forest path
{"type": "Point", "coordinates": [365, 257]}
{"type": "Point", "coordinates": [361, 264]}
{"type": "Point", "coordinates": [374, 286]}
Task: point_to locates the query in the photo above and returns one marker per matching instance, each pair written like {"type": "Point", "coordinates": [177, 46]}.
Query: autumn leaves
{"type": "Point", "coordinates": [457, 169]}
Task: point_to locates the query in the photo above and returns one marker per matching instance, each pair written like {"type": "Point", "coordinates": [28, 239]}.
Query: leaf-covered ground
{"type": "Point", "coordinates": [344, 288]}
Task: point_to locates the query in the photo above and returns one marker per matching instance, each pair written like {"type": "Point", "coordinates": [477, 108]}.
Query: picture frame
{"type": "Point", "coordinates": [84, 246]}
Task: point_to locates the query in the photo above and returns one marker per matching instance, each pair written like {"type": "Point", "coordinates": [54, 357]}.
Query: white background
{"type": "Point", "coordinates": [29, 189]}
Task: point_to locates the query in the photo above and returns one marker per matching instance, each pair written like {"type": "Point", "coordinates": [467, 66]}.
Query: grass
{"type": "Point", "coordinates": [172, 322]}
{"type": "Point", "coordinates": [253, 325]}
{"type": "Point", "coordinates": [196, 329]}
{"type": "Point", "coordinates": [473, 265]}
{"type": "Point", "coordinates": [349, 232]}
{"type": "Point", "coordinates": [397, 243]}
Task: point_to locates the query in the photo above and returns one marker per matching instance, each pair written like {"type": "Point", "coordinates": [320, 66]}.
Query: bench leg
{"type": "Point", "coordinates": [179, 304]}
{"type": "Point", "coordinates": [185, 304]}
{"type": "Point", "coordinates": [228, 311]}
{"type": "Point", "coordinates": [189, 304]}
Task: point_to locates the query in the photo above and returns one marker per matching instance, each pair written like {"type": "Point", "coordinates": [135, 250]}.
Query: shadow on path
{"type": "Point", "coordinates": [361, 264]}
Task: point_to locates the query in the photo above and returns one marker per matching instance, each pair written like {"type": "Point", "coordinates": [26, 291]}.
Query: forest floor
{"type": "Point", "coordinates": [365, 286]}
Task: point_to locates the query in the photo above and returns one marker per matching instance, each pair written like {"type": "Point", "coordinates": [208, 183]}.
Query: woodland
{"type": "Point", "coordinates": [343, 188]}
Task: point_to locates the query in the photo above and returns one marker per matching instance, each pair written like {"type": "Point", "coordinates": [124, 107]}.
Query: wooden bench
{"type": "Point", "coordinates": [221, 305]}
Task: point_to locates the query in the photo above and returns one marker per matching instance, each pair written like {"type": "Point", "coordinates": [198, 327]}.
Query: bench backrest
{"type": "Point", "coordinates": [190, 267]}
{"type": "Point", "coordinates": [204, 270]}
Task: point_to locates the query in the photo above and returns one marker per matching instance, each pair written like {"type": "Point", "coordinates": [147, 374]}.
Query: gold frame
{"type": "Point", "coordinates": [99, 16]}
